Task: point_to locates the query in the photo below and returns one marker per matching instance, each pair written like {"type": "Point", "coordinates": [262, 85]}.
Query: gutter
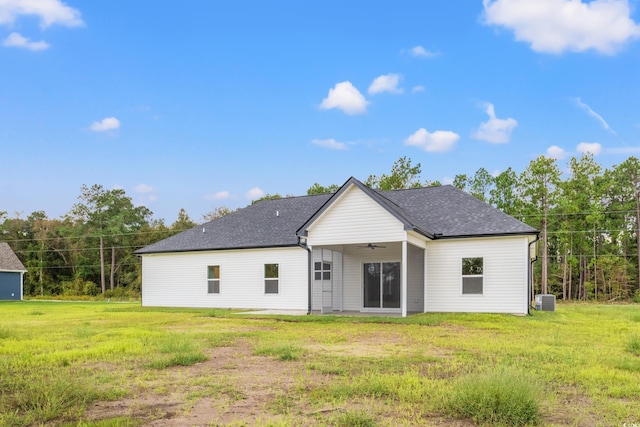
{"type": "Point", "coordinates": [169, 251]}
{"type": "Point", "coordinates": [309, 261]}
{"type": "Point", "coordinates": [530, 272]}
{"type": "Point", "coordinates": [439, 236]}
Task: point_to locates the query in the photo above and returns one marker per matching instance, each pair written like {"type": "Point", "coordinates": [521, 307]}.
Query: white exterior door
{"type": "Point", "coordinates": [323, 276]}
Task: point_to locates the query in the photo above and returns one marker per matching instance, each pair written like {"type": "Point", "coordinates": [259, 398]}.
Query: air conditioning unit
{"type": "Point", "coordinates": [545, 302]}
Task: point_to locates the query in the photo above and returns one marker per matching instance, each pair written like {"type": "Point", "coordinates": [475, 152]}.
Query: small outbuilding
{"type": "Point", "coordinates": [11, 274]}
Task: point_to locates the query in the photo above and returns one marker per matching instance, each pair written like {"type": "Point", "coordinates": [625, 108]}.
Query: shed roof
{"type": "Point", "coordinates": [8, 259]}
{"type": "Point", "coordinates": [436, 212]}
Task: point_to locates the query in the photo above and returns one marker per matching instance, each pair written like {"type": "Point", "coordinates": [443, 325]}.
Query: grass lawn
{"type": "Point", "coordinates": [108, 364]}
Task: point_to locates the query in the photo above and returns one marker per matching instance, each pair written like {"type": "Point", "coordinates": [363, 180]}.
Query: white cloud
{"type": "Point", "coordinates": [447, 181]}
{"type": "Point", "coordinates": [386, 83]}
{"type": "Point", "coordinates": [555, 26]}
{"type": "Point", "coordinates": [331, 144]}
{"type": "Point", "coordinates": [18, 40]}
{"type": "Point", "coordinates": [420, 52]}
{"type": "Point", "coordinates": [438, 141]}
{"type": "Point", "coordinates": [418, 88]}
{"type": "Point", "coordinates": [220, 195]}
{"type": "Point", "coordinates": [594, 148]}
{"type": "Point", "coordinates": [345, 97]}
{"type": "Point", "coordinates": [48, 11]}
{"type": "Point", "coordinates": [593, 114]}
{"type": "Point", "coordinates": [109, 123]}
{"type": "Point", "coordinates": [555, 152]}
{"type": "Point", "coordinates": [494, 130]}
{"type": "Point", "coordinates": [255, 193]}
{"type": "Point", "coordinates": [143, 188]}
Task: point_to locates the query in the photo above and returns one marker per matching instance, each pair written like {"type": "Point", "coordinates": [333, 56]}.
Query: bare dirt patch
{"type": "Point", "coordinates": [233, 386]}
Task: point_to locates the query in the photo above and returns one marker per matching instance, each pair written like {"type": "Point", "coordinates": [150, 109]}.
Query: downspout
{"type": "Point", "coordinates": [309, 261]}
{"type": "Point", "coordinates": [530, 273]}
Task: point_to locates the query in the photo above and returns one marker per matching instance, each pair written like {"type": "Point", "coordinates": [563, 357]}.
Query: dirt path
{"type": "Point", "coordinates": [233, 386]}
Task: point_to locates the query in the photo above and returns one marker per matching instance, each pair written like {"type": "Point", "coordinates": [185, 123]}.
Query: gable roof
{"type": "Point", "coordinates": [435, 212]}
{"type": "Point", "coordinates": [268, 223]}
{"type": "Point", "coordinates": [391, 207]}
{"type": "Point", "coordinates": [8, 259]}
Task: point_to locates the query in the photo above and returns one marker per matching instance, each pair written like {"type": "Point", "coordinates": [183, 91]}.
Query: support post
{"type": "Point", "coordinates": [403, 280]}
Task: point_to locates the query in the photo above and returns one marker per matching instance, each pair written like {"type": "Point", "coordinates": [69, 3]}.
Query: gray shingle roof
{"type": "Point", "coordinates": [8, 259]}
{"type": "Point", "coordinates": [437, 212]}
{"type": "Point", "coordinates": [447, 211]}
{"type": "Point", "coordinates": [268, 223]}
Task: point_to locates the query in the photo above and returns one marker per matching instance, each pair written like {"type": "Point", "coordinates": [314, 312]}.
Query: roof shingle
{"type": "Point", "coordinates": [8, 259]}
{"type": "Point", "coordinates": [442, 212]}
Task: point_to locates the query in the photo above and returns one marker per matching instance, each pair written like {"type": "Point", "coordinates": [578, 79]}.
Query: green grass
{"type": "Point", "coordinates": [353, 419]}
{"type": "Point", "coordinates": [579, 365]}
{"type": "Point", "coordinates": [499, 397]}
{"type": "Point", "coordinates": [281, 351]}
{"type": "Point", "coordinates": [634, 346]}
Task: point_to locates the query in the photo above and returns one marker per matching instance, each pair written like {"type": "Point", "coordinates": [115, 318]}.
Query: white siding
{"type": "Point", "coordinates": [355, 218]}
{"type": "Point", "coordinates": [352, 261]}
{"type": "Point", "coordinates": [337, 281]}
{"type": "Point", "coordinates": [415, 279]}
{"type": "Point", "coordinates": [180, 279]}
{"type": "Point", "coordinates": [505, 275]}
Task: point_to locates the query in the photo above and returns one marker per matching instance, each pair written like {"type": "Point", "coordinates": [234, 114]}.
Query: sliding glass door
{"type": "Point", "coordinates": [381, 285]}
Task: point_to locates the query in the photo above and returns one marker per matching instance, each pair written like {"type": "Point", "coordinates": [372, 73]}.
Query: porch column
{"type": "Point", "coordinates": [403, 280]}
{"type": "Point", "coordinates": [424, 281]}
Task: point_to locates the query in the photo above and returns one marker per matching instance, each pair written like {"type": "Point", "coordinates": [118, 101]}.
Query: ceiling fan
{"type": "Point", "coordinates": [371, 246]}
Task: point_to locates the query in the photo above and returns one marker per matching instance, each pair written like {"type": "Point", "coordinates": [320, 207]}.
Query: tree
{"type": "Point", "coordinates": [581, 208]}
{"type": "Point", "coordinates": [216, 213]}
{"type": "Point", "coordinates": [504, 194]}
{"type": "Point", "coordinates": [627, 176]}
{"type": "Point", "coordinates": [319, 189]}
{"type": "Point", "coordinates": [539, 183]}
{"type": "Point", "coordinates": [108, 215]}
{"type": "Point", "coordinates": [269, 197]}
{"type": "Point", "coordinates": [481, 184]}
{"type": "Point", "coordinates": [183, 222]}
{"type": "Point", "coordinates": [402, 175]}
{"type": "Point", "coordinates": [461, 181]}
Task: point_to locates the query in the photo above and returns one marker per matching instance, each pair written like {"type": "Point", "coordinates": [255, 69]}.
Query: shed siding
{"type": "Point", "coordinates": [180, 279]}
{"type": "Point", "coordinates": [355, 218]}
{"type": "Point", "coordinates": [10, 285]}
{"type": "Point", "coordinates": [505, 275]}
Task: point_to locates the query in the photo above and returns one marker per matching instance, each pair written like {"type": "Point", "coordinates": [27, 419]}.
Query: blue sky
{"type": "Point", "coordinates": [202, 104]}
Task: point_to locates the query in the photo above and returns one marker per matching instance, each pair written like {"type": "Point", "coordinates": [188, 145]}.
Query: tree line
{"type": "Point", "coordinates": [588, 219]}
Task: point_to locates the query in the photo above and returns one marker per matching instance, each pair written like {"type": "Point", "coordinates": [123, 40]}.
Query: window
{"type": "Point", "coordinates": [213, 279]}
{"type": "Point", "coordinates": [472, 276]}
{"type": "Point", "coordinates": [322, 270]}
{"type": "Point", "coordinates": [271, 278]}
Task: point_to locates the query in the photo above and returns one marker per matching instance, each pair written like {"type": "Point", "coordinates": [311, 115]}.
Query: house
{"type": "Point", "coordinates": [432, 249]}
{"type": "Point", "coordinates": [11, 274]}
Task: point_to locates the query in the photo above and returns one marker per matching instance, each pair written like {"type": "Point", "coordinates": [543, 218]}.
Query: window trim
{"type": "Point", "coordinates": [464, 276]}
{"type": "Point", "coordinates": [326, 268]}
{"type": "Point", "coordinates": [272, 280]}
{"type": "Point", "coordinates": [213, 280]}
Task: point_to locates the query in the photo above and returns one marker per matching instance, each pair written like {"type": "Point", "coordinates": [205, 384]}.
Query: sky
{"type": "Point", "coordinates": [202, 104]}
